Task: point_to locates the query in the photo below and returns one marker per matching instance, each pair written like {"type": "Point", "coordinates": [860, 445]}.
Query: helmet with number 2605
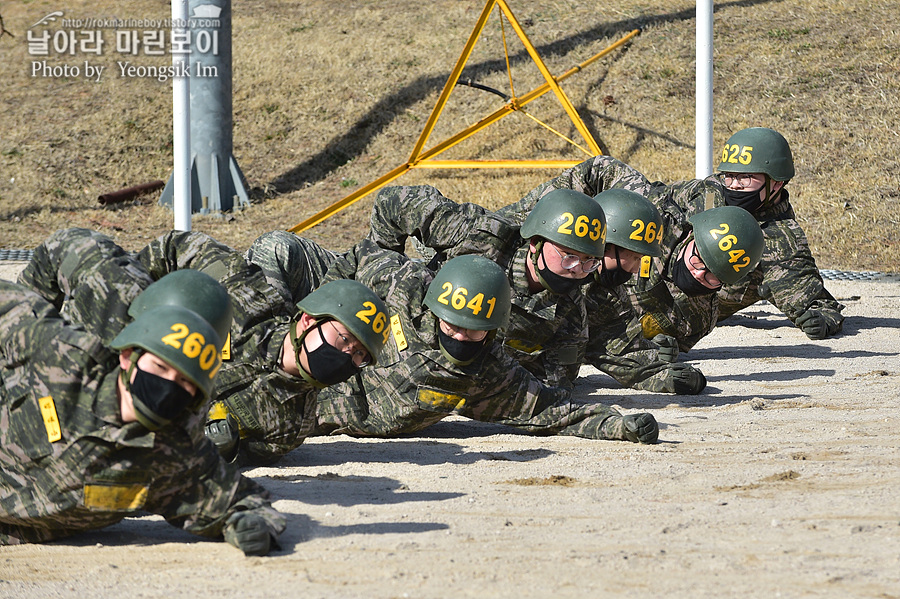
{"type": "Point", "coordinates": [183, 318]}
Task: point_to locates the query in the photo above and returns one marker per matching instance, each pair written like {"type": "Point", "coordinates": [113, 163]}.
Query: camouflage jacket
{"type": "Point", "coordinates": [547, 332]}
{"type": "Point", "coordinates": [416, 386]}
{"type": "Point", "coordinates": [89, 279]}
{"type": "Point", "coordinates": [69, 462]}
{"type": "Point", "coordinates": [276, 410]}
{"type": "Point", "coordinates": [93, 281]}
{"type": "Point", "coordinates": [616, 343]}
{"type": "Point", "coordinates": [294, 266]}
{"type": "Point", "coordinates": [787, 275]}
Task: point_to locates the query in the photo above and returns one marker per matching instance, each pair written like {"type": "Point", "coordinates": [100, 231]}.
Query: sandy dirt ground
{"type": "Point", "coordinates": [780, 480]}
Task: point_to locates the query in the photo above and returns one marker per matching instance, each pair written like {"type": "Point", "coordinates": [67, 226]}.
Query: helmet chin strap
{"type": "Point", "coordinates": [770, 195]}
{"type": "Point", "coordinates": [539, 250]}
{"type": "Point", "coordinates": [298, 343]}
{"type": "Point", "coordinates": [125, 375]}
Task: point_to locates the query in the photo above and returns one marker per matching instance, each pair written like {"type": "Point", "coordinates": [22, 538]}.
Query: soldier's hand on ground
{"type": "Point", "coordinates": [685, 379]}
{"type": "Point", "coordinates": [813, 323]}
{"type": "Point", "coordinates": [668, 347]}
{"type": "Point", "coordinates": [249, 533]}
{"type": "Point", "coordinates": [224, 434]}
{"type": "Point", "coordinates": [641, 428]}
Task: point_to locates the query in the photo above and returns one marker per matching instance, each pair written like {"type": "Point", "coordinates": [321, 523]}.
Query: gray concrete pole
{"type": "Point", "coordinates": [217, 183]}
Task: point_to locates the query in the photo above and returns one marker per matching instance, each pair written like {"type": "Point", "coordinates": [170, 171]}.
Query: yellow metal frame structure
{"type": "Point", "coordinates": [423, 159]}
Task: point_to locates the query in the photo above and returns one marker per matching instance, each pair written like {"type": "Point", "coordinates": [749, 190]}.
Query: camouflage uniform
{"type": "Point", "coordinates": [661, 305]}
{"type": "Point", "coordinates": [547, 332]}
{"type": "Point", "coordinates": [787, 275]}
{"type": "Point", "coordinates": [616, 344]}
{"type": "Point", "coordinates": [276, 411]}
{"type": "Point", "coordinates": [70, 464]}
{"type": "Point", "coordinates": [73, 269]}
{"type": "Point", "coordinates": [294, 266]}
{"type": "Point", "coordinates": [417, 385]}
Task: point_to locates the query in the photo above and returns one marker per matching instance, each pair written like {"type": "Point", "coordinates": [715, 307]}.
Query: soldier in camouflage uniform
{"type": "Point", "coordinates": [90, 435]}
{"type": "Point", "coordinates": [278, 354]}
{"type": "Point", "coordinates": [446, 359]}
{"type": "Point", "coordinates": [678, 299]}
{"type": "Point", "coordinates": [547, 332]}
{"type": "Point", "coordinates": [616, 343]}
{"type": "Point", "coordinates": [756, 165]}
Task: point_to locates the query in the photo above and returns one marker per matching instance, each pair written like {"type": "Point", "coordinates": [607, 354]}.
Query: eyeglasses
{"type": "Point", "coordinates": [471, 334]}
{"type": "Point", "coordinates": [707, 278]}
{"type": "Point", "coordinates": [742, 179]}
{"type": "Point", "coordinates": [570, 261]}
{"type": "Point", "coordinates": [360, 358]}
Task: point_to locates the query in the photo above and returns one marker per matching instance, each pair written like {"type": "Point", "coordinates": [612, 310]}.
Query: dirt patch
{"type": "Point", "coordinates": [555, 480]}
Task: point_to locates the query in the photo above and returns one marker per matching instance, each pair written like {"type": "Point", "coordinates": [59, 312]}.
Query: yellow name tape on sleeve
{"type": "Point", "coordinates": [397, 330]}
{"type": "Point", "coordinates": [118, 498]}
{"type": "Point", "coordinates": [226, 350]}
{"type": "Point", "coordinates": [438, 399]}
{"type": "Point", "coordinates": [646, 263]}
{"type": "Point", "coordinates": [523, 346]}
{"type": "Point", "coordinates": [51, 420]}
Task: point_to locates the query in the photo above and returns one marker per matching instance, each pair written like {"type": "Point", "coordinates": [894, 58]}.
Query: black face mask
{"type": "Point", "coordinates": [748, 200]}
{"type": "Point", "coordinates": [685, 281]}
{"type": "Point", "coordinates": [328, 364]}
{"type": "Point", "coordinates": [459, 352]}
{"type": "Point", "coordinates": [157, 401]}
{"type": "Point", "coordinates": [613, 278]}
{"type": "Point", "coordinates": [553, 282]}
{"type": "Point", "coordinates": [558, 283]}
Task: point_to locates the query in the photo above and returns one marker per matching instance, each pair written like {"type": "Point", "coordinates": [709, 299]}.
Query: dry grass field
{"type": "Point", "coordinates": [779, 480]}
{"type": "Point", "coordinates": [329, 96]}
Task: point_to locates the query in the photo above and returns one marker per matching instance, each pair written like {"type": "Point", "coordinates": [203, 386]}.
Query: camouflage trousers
{"type": "Point", "coordinates": [350, 414]}
{"type": "Point", "coordinates": [85, 274]}
{"type": "Point", "coordinates": [294, 266]}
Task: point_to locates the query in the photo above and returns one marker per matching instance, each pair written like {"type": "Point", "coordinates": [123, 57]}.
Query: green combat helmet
{"type": "Point", "coordinates": [758, 150]}
{"type": "Point", "coordinates": [729, 240]}
{"type": "Point", "coordinates": [632, 221]}
{"type": "Point", "coordinates": [183, 318]}
{"type": "Point", "coordinates": [356, 307]}
{"type": "Point", "coordinates": [569, 218]}
{"type": "Point", "coordinates": [470, 292]}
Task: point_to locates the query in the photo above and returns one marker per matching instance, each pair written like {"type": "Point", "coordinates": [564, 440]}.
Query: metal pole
{"type": "Point", "coordinates": [181, 124]}
{"type": "Point", "coordinates": [704, 112]}
{"type": "Point", "coordinates": [217, 183]}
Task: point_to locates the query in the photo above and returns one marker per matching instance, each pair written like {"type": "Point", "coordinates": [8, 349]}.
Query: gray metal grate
{"type": "Point", "coordinates": [838, 275]}
{"type": "Point", "coordinates": [23, 255]}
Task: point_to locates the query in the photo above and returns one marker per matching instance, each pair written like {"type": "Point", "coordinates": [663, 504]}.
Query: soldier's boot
{"type": "Point", "coordinates": [637, 428]}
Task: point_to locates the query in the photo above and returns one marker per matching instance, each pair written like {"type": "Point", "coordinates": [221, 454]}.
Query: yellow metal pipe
{"type": "Point", "coordinates": [514, 105]}
{"type": "Point", "coordinates": [419, 159]}
{"type": "Point", "coordinates": [350, 199]}
{"type": "Point", "coordinates": [451, 81]}
{"type": "Point", "coordinates": [551, 81]}
{"type": "Point", "coordinates": [544, 88]}
{"type": "Point", "coordinates": [497, 163]}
